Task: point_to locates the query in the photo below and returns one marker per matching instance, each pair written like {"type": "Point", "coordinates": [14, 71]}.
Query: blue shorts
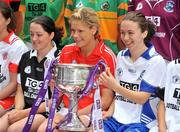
{"type": "Point", "coordinates": [112, 125]}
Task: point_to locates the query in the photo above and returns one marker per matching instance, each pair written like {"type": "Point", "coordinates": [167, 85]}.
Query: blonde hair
{"type": "Point", "coordinates": [87, 15]}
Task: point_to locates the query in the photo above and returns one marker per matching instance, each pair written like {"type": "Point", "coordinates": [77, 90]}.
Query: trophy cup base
{"type": "Point", "coordinates": [73, 127]}
{"type": "Point", "coordinates": [69, 129]}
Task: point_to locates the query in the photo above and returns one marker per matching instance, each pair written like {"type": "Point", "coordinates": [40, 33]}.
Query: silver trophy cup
{"type": "Point", "coordinates": [68, 77]}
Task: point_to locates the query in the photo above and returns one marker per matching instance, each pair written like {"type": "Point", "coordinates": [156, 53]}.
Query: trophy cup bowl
{"type": "Point", "coordinates": [67, 78]}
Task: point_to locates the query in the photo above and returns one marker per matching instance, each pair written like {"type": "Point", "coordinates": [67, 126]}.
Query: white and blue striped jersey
{"type": "Point", "coordinates": [144, 74]}
{"type": "Point", "coordinates": [172, 96]}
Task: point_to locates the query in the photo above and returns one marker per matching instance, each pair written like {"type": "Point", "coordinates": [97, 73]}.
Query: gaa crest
{"type": "Point", "coordinates": [105, 6]}
{"type": "Point", "coordinates": [169, 7]}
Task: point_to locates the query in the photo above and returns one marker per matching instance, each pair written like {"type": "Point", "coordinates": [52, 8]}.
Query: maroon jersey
{"type": "Point", "coordinates": [165, 14]}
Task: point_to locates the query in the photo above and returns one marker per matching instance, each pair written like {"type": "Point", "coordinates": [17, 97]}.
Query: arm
{"type": "Point", "coordinates": [161, 117]}
{"type": "Point", "coordinates": [86, 110]}
{"type": "Point", "coordinates": [108, 80]}
{"type": "Point", "coordinates": [106, 114]}
{"type": "Point", "coordinates": [18, 114]}
{"type": "Point", "coordinates": [41, 109]}
{"type": "Point", "coordinates": [10, 88]}
{"type": "Point", "coordinates": [111, 108]}
{"type": "Point", "coordinates": [19, 98]}
{"type": "Point", "coordinates": [106, 98]}
{"type": "Point", "coordinates": [109, 112]}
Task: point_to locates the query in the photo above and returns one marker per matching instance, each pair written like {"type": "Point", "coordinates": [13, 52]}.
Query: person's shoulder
{"type": "Point", "coordinates": [107, 52]}
{"type": "Point", "coordinates": [174, 63]}
{"type": "Point", "coordinates": [25, 57]}
{"type": "Point", "coordinates": [15, 40]}
{"type": "Point", "coordinates": [122, 52]}
{"type": "Point", "coordinates": [154, 55]}
{"type": "Point", "coordinates": [16, 43]}
{"type": "Point", "coordinates": [156, 58]}
{"type": "Point", "coordinates": [27, 54]}
{"type": "Point", "coordinates": [68, 48]}
{"type": "Point", "coordinates": [108, 56]}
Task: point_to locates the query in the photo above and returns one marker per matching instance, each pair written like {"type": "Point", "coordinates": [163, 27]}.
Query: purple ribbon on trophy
{"type": "Point", "coordinates": [52, 110]}
{"type": "Point", "coordinates": [40, 96]}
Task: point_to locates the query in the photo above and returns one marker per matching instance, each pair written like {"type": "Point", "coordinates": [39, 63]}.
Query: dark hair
{"type": "Point", "coordinates": [49, 26]}
{"type": "Point", "coordinates": [144, 24]}
{"type": "Point", "coordinates": [7, 13]}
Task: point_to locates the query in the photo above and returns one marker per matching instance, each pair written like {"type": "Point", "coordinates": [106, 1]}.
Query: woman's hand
{"type": "Point", "coordinates": [57, 118]}
{"type": "Point", "coordinates": [106, 114]}
{"type": "Point", "coordinates": [16, 115]}
{"type": "Point", "coordinates": [107, 79]}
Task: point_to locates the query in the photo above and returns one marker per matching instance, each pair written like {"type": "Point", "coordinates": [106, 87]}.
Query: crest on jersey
{"type": "Point", "coordinates": [139, 6]}
{"type": "Point", "coordinates": [5, 55]}
{"type": "Point", "coordinates": [169, 7]}
{"type": "Point", "coordinates": [80, 4]}
{"type": "Point", "coordinates": [105, 6]}
{"type": "Point", "coordinates": [119, 72]}
{"type": "Point", "coordinates": [176, 79]}
{"type": "Point", "coordinates": [27, 69]}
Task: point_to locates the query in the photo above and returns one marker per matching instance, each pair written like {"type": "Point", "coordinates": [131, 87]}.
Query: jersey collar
{"type": "Point", "coordinates": [50, 54]}
{"type": "Point", "coordinates": [146, 55]}
{"type": "Point", "coordinates": [7, 38]}
{"type": "Point", "coordinates": [97, 51]}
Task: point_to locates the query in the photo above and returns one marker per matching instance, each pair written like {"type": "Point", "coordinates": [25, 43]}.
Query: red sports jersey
{"type": "Point", "coordinates": [71, 54]}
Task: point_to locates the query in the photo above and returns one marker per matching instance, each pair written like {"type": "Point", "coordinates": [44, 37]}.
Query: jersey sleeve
{"type": "Point", "coordinates": [172, 80]}
{"type": "Point", "coordinates": [110, 60]}
{"type": "Point", "coordinates": [153, 75]}
{"type": "Point", "coordinates": [160, 93]}
{"type": "Point", "coordinates": [18, 48]}
{"type": "Point", "coordinates": [61, 55]}
{"type": "Point", "coordinates": [20, 69]}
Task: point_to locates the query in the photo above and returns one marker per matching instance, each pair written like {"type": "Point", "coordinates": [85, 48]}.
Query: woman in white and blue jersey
{"type": "Point", "coordinates": [169, 108]}
{"type": "Point", "coordinates": [138, 72]}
